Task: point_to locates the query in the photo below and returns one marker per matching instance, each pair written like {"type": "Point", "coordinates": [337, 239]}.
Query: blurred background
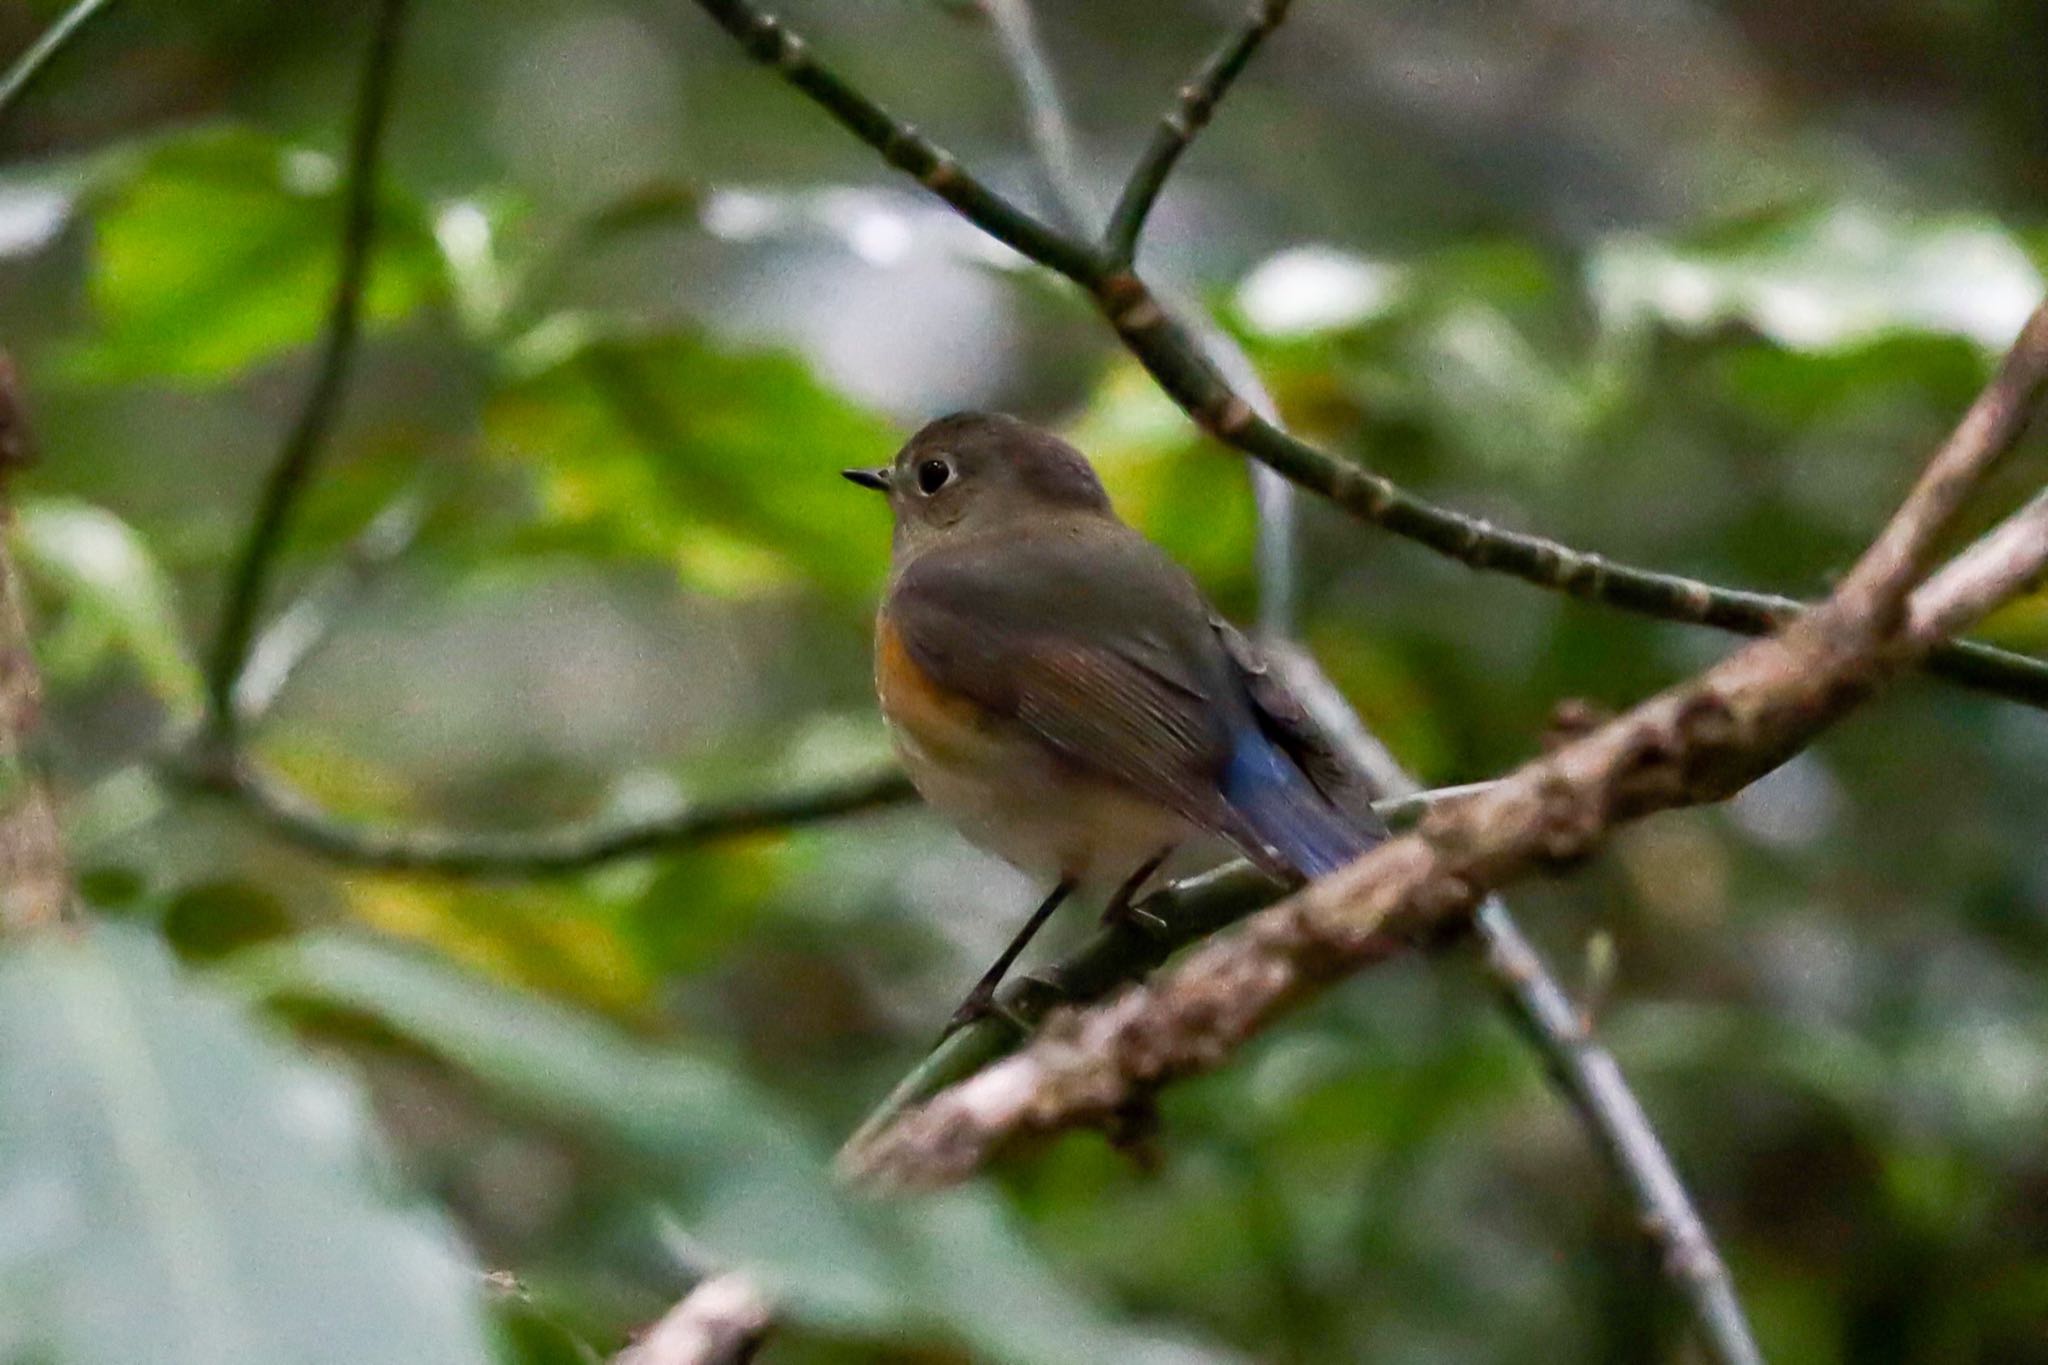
{"type": "Point", "coordinates": [1692, 284]}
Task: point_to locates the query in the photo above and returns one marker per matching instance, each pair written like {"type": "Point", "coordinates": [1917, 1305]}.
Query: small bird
{"type": "Point", "coordinates": [1060, 691]}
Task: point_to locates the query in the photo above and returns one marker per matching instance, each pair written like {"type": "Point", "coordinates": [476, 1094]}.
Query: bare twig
{"type": "Point", "coordinates": [1053, 142]}
{"type": "Point", "coordinates": [1168, 351]}
{"type": "Point", "coordinates": [302, 629]}
{"type": "Point", "coordinates": [2010, 560]}
{"type": "Point", "coordinates": [566, 849]}
{"type": "Point", "coordinates": [723, 1321]}
{"type": "Point", "coordinates": [1698, 742]}
{"type": "Point", "coordinates": [1583, 1070]}
{"type": "Point", "coordinates": [1876, 588]}
{"type": "Point", "coordinates": [302, 445]}
{"type": "Point", "coordinates": [54, 39]}
{"type": "Point", "coordinates": [1052, 133]}
{"type": "Point", "coordinates": [35, 877]}
{"type": "Point", "coordinates": [1195, 102]}
{"type": "Point", "coordinates": [768, 41]}
{"type": "Point", "coordinates": [1588, 1074]}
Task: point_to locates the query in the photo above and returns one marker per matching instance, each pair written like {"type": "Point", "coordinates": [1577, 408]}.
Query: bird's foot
{"type": "Point", "coordinates": [980, 1004]}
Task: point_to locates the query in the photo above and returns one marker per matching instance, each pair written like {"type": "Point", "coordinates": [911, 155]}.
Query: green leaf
{"type": "Point", "coordinates": [115, 595]}
{"type": "Point", "coordinates": [746, 1182]}
{"type": "Point", "coordinates": [220, 248]}
{"type": "Point", "coordinates": [176, 1191]}
{"type": "Point", "coordinates": [724, 463]}
{"type": "Point", "coordinates": [1827, 280]}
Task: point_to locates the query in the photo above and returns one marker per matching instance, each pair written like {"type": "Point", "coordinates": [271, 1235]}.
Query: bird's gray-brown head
{"type": "Point", "coordinates": [974, 473]}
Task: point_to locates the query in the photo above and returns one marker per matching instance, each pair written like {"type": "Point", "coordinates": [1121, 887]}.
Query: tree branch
{"type": "Point", "coordinates": [770, 43]}
{"type": "Point", "coordinates": [54, 39]}
{"type": "Point", "coordinates": [1052, 134]}
{"type": "Point", "coordinates": [35, 876]}
{"type": "Point", "coordinates": [1583, 1071]}
{"type": "Point", "coordinates": [1593, 1081]}
{"type": "Point", "coordinates": [2010, 560]}
{"type": "Point", "coordinates": [302, 445]}
{"type": "Point", "coordinates": [567, 849]}
{"type": "Point", "coordinates": [1700, 741]}
{"type": "Point", "coordinates": [1904, 551]}
{"type": "Point", "coordinates": [1194, 104]}
{"type": "Point", "coordinates": [1170, 353]}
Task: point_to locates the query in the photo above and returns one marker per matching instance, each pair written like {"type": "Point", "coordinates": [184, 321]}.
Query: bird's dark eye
{"type": "Point", "coordinates": [932, 476]}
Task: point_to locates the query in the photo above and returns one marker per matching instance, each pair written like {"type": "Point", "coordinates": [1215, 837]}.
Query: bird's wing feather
{"type": "Point", "coordinates": [1039, 636]}
{"type": "Point", "coordinates": [1342, 781]}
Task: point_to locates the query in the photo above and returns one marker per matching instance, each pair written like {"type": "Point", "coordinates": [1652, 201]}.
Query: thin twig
{"type": "Point", "coordinates": [1168, 351]}
{"type": "Point", "coordinates": [302, 445]}
{"type": "Point", "coordinates": [1052, 132]}
{"type": "Point", "coordinates": [2008, 561]}
{"type": "Point", "coordinates": [1698, 742]}
{"type": "Point", "coordinates": [768, 41]}
{"type": "Point", "coordinates": [1588, 1074]}
{"type": "Point", "coordinates": [55, 38]}
{"type": "Point", "coordinates": [1584, 1071]}
{"type": "Point", "coordinates": [1194, 104]}
{"type": "Point", "coordinates": [1877, 587]}
{"type": "Point", "coordinates": [566, 849]}
{"type": "Point", "coordinates": [303, 628]}
{"type": "Point", "coordinates": [1054, 143]}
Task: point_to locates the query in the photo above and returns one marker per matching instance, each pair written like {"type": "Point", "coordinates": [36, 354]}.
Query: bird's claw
{"type": "Point", "coordinates": [981, 1003]}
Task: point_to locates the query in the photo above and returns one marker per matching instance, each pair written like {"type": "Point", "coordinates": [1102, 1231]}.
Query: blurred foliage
{"type": "Point", "coordinates": [178, 1192]}
{"type": "Point", "coordinates": [216, 249]}
{"type": "Point", "coordinates": [1697, 289]}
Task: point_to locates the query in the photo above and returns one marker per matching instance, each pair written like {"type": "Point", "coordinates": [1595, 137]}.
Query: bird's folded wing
{"type": "Point", "coordinates": [1124, 705]}
{"type": "Point", "coordinates": [1343, 782]}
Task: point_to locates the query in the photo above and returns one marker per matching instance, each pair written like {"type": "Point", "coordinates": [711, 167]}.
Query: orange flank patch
{"type": "Point", "coordinates": [945, 725]}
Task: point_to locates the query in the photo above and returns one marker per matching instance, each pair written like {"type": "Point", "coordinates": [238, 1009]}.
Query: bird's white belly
{"type": "Point", "coordinates": [1012, 798]}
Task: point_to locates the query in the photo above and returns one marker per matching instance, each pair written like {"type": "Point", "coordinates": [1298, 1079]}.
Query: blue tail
{"type": "Point", "coordinates": [1286, 812]}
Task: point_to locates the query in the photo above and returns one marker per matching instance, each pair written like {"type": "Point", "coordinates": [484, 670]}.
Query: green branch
{"type": "Point", "coordinates": [553, 852]}
{"type": "Point", "coordinates": [1197, 100]}
{"type": "Point", "coordinates": [1173, 357]}
{"type": "Point", "coordinates": [303, 444]}
{"type": "Point", "coordinates": [770, 43]}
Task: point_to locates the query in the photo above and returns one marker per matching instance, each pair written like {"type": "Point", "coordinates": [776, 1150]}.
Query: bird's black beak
{"type": "Point", "coordinates": [877, 479]}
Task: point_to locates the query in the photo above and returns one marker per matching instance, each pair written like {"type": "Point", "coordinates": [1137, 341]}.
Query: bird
{"type": "Point", "coordinates": [1058, 688]}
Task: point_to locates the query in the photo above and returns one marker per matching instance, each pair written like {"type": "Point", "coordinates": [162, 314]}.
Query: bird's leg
{"type": "Point", "coordinates": [1119, 908]}
{"type": "Point", "coordinates": [981, 1000]}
